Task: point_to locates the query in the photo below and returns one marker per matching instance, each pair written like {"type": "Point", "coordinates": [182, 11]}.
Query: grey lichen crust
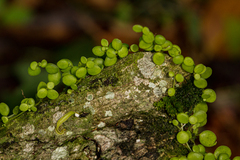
{"type": "Point", "coordinates": [118, 118]}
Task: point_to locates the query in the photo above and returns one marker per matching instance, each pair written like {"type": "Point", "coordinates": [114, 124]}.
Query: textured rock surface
{"type": "Point", "coordinates": [117, 118]}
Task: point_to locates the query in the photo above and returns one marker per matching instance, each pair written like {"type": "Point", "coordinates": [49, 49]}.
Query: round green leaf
{"type": "Point", "coordinates": [222, 149]}
{"type": "Point", "coordinates": [137, 28]}
{"type": "Point", "coordinates": [74, 87]}
{"type": "Point", "coordinates": [69, 80]}
{"type": "Point", "coordinates": [207, 73]}
{"type": "Point", "coordinates": [197, 76]}
{"type": "Point", "coordinates": [200, 83]}
{"type": "Point", "coordinates": [98, 61]}
{"type": "Point", "coordinates": [183, 158]}
{"type": "Point", "coordinates": [223, 156]}
{"type": "Point", "coordinates": [145, 30]}
{"type": "Point", "coordinates": [50, 85]}
{"type": "Point", "coordinates": [188, 61]}
{"type": "Point", "coordinates": [42, 93]}
{"type": "Point", "coordinates": [193, 119]}
{"type": "Point", "coordinates": [171, 92]}
{"type": "Point", "coordinates": [63, 64]}
{"type": "Point", "coordinates": [211, 95]}
{"type": "Point", "coordinates": [167, 45]}
{"type": "Point", "coordinates": [187, 68]}
{"type": "Point", "coordinates": [4, 109]}
{"type": "Point", "coordinates": [16, 110]}
{"type": "Point", "coordinates": [52, 68]}
{"type": "Point", "coordinates": [159, 39]}
{"type": "Point", "coordinates": [171, 74]}
{"type": "Point", "coordinates": [174, 51]}
{"type": "Point", "coordinates": [90, 64]}
{"type": "Point", "coordinates": [123, 52]}
{"type": "Point", "coordinates": [104, 43]}
{"type": "Point", "coordinates": [94, 70]}
{"type": "Point", "coordinates": [201, 106]}
{"type": "Point", "coordinates": [195, 156]}
{"type": "Point", "coordinates": [117, 44]}
{"type": "Point", "coordinates": [55, 78]}
{"type": "Point", "coordinates": [157, 47]}
{"type": "Point", "coordinates": [179, 78]}
{"type": "Point", "coordinates": [4, 119]}
{"type": "Point", "coordinates": [175, 122]}
{"type": "Point", "coordinates": [97, 50]}
{"type": "Point", "coordinates": [201, 148]}
{"type": "Point", "coordinates": [35, 72]}
{"type": "Point", "coordinates": [23, 107]}
{"type": "Point", "coordinates": [174, 158]}
{"type": "Point", "coordinates": [182, 137]}
{"type": "Point", "coordinates": [52, 94]}
{"type": "Point", "coordinates": [199, 69]}
{"type": "Point", "coordinates": [111, 53]}
{"type": "Point", "coordinates": [201, 115]}
{"type": "Point", "coordinates": [74, 69]}
{"type": "Point", "coordinates": [134, 48]}
{"type": "Point", "coordinates": [43, 63]}
{"type": "Point", "coordinates": [144, 45]}
{"type": "Point", "coordinates": [83, 59]}
{"type": "Point", "coordinates": [182, 118]}
{"type": "Point", "coordinates": [178, 59]}
{"type": "Point", "coordinates": [41, 85]}
{"type": "Point", "coordinates": [34, 109]}
{"type": "Point", "coordinates": [148, 38]}
{"type": "Point", "coordinates": [209, 156]}
{"type": "Point", "coordinates": [207, 138]}
{"type": "Point", "coordinates": [33, 65]}
{"type": "Point", "coordinates": [158, 58]}
{"type": "Point", "coordinates": [81, 72]}
{"type": "Point", "coordinates": [110, 61]}
{"type": "Point", "coordinates": [236, 158]}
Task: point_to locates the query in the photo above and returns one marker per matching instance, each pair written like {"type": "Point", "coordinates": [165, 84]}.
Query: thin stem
{"type": "Point", "coordinates": [188, 147]}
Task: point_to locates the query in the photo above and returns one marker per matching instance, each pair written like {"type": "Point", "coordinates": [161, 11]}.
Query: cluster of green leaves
{"type": "Point", "coordinates": [187, 104]}
{"type": "Point", "coordinates": [27, 104]}
{"type": "Point", "coordinates": [185, 98]}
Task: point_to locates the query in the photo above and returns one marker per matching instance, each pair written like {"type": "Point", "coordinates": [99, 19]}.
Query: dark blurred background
{"type": "Point", "coordinates": [207, 30]}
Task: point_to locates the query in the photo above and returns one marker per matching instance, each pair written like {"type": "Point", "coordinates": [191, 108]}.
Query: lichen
{"type": "Point", "coordinates": [60, 152]}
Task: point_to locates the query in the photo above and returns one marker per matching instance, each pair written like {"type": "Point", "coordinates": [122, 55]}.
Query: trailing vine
{"type": "Point", "coordinates": [188, 110]}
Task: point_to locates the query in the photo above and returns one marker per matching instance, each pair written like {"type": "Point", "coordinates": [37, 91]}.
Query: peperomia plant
{"type": "Point", "coordinates": [187, 121]}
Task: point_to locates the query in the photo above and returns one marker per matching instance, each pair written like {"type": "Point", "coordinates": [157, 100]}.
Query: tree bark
{"type": "Point", "coordinates": [117, 118]}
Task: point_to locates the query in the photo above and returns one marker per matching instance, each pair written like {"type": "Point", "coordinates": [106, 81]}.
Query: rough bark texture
{"type": "Point", "coordinates": [118, 119]}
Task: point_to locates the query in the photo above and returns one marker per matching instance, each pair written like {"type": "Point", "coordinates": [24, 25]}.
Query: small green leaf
{"type": "Point", "coordinates": [178, 59]}
{"type": "Point", "coordinates": [117, 44]}
{"type": "Point", "coordinates": [159, 39]}
{"type": "Point", "coordinates": [35, 72]}
{"type": "Point", "coordinates": [179, 78]}
{"type": "Point", "coordinates": [134, 48]}
{"type": "Point", "coordinates": [182, 137]}
{"type": "Point", "coordinates": [81, 72]}
{"type": "Point", "coordinates": [4, 109]}
{"type": "Point", "coordinates": [55, 78]}
{"type": "Point", "coordinates": [207, 138]}
{"type": "Point", "coordinates": [104, 43]}
{"type": "Point", "coordinates": [158, 58]}
{"type": "Point", "coordinates": [222, 149]}
{"type": "Point", "coordinates": [42, 93]}
{"type": "Point", "coordinates": [137, 28]}
{"type": "Point", "coordinates": [97, 50]}
{"type": "Point", "coordinates": [188, 61]}
{"type": "Point", "coordinates": [52, 94]}
{"type": "Point", "coordinates": [123, 52]}
{"type": "Point", "coordinates": [23, 107]}
{"type": "Point", "coordinates": [182, 118]}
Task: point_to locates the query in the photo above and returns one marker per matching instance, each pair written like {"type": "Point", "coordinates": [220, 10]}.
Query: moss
{"type": "Point", "coordinates": [185, 99]}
